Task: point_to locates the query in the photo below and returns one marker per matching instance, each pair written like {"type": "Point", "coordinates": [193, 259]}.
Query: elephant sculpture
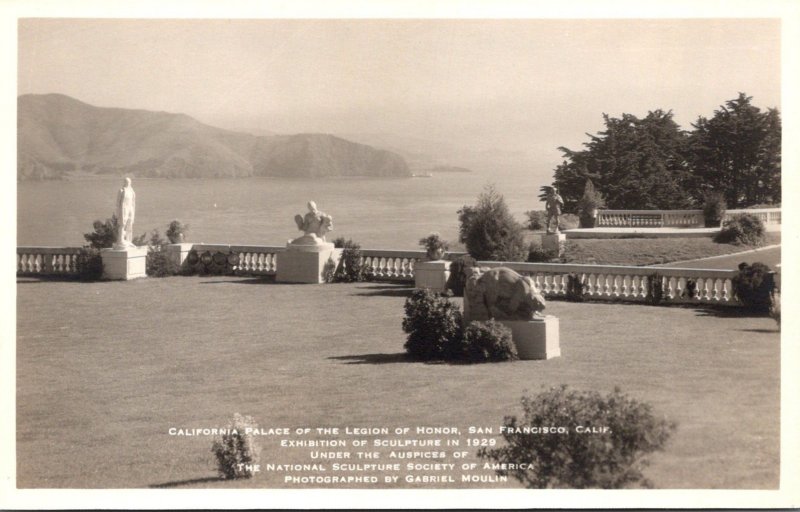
{"type": "Point", "coordinates": [501, 294]}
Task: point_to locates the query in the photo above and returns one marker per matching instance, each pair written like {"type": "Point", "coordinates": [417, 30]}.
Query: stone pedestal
{"type": "Point", "coordinates": [305, 263]}
{"type": "Point", "coordinates": [177, 253]}
{"type": "Point", "coordinates": [554, 242]}
{"type": "Point", "coordinates": [432, 275]}
{"type": "Point", "coordinates": [535, 339]}
{"type": "Point", "coordinates": [124, 264]}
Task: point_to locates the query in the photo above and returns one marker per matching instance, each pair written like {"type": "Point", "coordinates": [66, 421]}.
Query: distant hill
{"type": "Point", "coordinates": [60, 136]}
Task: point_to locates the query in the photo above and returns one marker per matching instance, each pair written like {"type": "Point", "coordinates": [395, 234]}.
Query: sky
{"type": "Point", "coordinates": [521, 85]}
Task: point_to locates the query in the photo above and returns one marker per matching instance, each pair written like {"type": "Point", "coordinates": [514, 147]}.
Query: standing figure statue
{"type": "Point", "coordinates": [126, 210]}
{"type": "Point", "coordinates": [552, 206]}
{"type": "Point", "coordinates": [315, 224]}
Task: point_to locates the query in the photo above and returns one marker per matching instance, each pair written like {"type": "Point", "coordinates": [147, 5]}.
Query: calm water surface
{"type": "Point", "coordinates": [378, 213]}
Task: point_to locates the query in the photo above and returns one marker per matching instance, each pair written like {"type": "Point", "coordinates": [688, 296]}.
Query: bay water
{"type": "Point", "coordinates": [378, 213]}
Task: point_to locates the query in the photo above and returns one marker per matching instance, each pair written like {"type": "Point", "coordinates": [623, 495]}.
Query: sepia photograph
{"type": "Point", "coordinates": [397, 257]}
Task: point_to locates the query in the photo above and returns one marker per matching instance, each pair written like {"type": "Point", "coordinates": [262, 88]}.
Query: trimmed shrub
{"type": "Point", "coordinates": [742, 228]}
{"type": "Point", "coordinates": [588, 204]}
{"type": "Point", "coordinates": [176, 232]}
{"type": "Point", "coordinates": [89, 264]}
{"type": "Point", "coordinates": [350, 268]}
{"type": "Point", "coordinates": [536, 219]}
{"type": "Point", "coordinates": [538, 254]}
{"type": "Point", "coordinates": [754, 286]}
{"type": "Point", "coordinates": [575, 288]}
{"type": "Point", "coordinates": [237, 448]}
{"type": "Point", "coordinates": [329, 271]}
{"type": "Point", "coordinates": [104, 234]}
{"type": "Point", "coordinates": [489, 231]}
{"type": "Point", "coordinates": [487, 341]}
{"type": "Point", "coordinates": [433, 325]}
{"type": "Point", "coordinates": [458, 274]}
{"type": "Point", "coordinates": [691, 288]}
{"type": "Point", "coordinates": [714, 207]}
{"type": "Point", "coordinates": [158, 263]}
{"type": "Point", "coordinates": [655, 289]}
{"type": "Point", "coordinates": [610, 458]}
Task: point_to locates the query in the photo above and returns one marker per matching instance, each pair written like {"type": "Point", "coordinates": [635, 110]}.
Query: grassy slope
{"type": "Point", "coordinates": [104, 369]}
{"type": "Point", "coordinates": [647, 251]}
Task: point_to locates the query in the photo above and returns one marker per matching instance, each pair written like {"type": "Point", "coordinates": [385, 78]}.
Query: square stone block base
{"type": "Point", "coordinates": [304, 265]}
{"type": "Point", "coordinates": [432, 275]}
{"type": "Point", "coordinates": [124, 264]}
{"type": "Point", "coordinates": [535, 339]}
{"type": "Point", "coordinates": [177, 253]}
{"type": "Point", "coordinates": [554, 242]}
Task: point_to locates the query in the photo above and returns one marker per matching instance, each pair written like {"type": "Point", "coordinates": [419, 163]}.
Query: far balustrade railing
{"type": "Point", "coordinates": [47, 261]}
{"type": "Point", "coordinates": [675, 218]}
{"type": "Point", "coordinates": [629, 283]}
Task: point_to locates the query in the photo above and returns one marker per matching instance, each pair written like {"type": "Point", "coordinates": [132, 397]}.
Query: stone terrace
{"type": "Point", "coordinates": [105, 369]}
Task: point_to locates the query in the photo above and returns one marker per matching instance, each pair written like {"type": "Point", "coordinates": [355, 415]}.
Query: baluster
{"type": "Point", "coordinates": [626, 281]}
{"type": "Point", "coordinates": [702, 288]}
{"type": "Point", "coordinates": [615, 287]}
{"type": "Point", "coordinates": [407, 270]}
{"type": "Point", "coordinates": [669, 285]}
{"type": "Point", "coordinates": [726, 290]}
{"type": "Point", "coordinates": [715, 293]}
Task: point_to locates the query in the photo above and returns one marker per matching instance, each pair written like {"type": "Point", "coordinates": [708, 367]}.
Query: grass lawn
{"type": "Point", "coordinates": [647, 251]}
{"type": "Point", "coordinates": [105, 369]}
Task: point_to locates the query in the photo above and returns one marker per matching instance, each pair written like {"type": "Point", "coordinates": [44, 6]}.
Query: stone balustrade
{"type": "Point", "coordinates": [769, 216]}
{"type": "Point", "coordinates": [395, 265]}
{"type": "Point", "coordinates": [258, 260]}
{"type": "Point", "coordinates": [675, 218]}
{"type": "Point", "coordinates": [602, 282]}
{"type": "Point", "coordinates": [47, 261]}
{"type": "Point", "coordinates": [628, 283]}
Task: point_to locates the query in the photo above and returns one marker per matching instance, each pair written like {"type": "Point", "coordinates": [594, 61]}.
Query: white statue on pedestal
{"type": "Point", "coordinates": [126, 210]}
{"type": "Point", "coordinates": [315, 225]}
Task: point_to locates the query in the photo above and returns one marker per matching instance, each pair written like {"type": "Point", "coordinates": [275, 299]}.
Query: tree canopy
{"type": "Point", "coordinates": [651, 163]}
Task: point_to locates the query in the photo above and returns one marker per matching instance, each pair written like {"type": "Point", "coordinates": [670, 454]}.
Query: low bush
{"type": "Point", "coordinates": [714, 207]}
{"type": "Point", "coordinates": [655, 289]}
{"type": "Point", "coordinates": [89, 264]}
{"type": "Point", "coordinates": [591, 201]}
{"type": "Point", "coordinates": [104, 234]}
{"type": "Point", "coordinates": [487, 341]}
{"type": "Point", "coordinates": [159, 264]}
{"type": "Point", "coordinates": [433, 325]}
{"type": "Point", "coordinates": [459, 268]}
{"type": "Point", "coordinates": [489, 230]}
{"type": "Point", "coordinates": [538, 254]}
{"type": "Point", "coordinates": [350, 269]}
{"type": "Point", "coordinates": [237, 448]}
{"type": "Point", "coordinates": [611, 457]}
{"type": "Point", "coordinates": [754, 286]}
{"type": "Point", "coordinates": [329, 271]}
{"type": "Point", "coordinates": [742, 228]}
{"type": "Point", "coordinates": [575, 288]}
{"type": "Point", "coordinates": [536, 220]}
